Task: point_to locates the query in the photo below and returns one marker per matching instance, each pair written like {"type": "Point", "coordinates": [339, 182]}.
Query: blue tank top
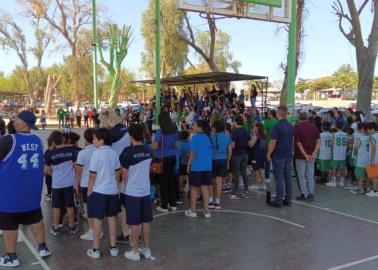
{"type": "Point", "coordinates": [21, 175]}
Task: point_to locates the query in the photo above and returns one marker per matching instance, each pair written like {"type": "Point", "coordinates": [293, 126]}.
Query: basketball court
{"type": "Point", "coordinates": [337, 231]}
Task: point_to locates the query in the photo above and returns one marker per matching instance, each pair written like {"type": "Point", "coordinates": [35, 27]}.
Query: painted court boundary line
{"type": "Point", "coordinates": [347, 265]}
{"type": "Point", "coordinates": [241, 212]}
{"type": "Point", "coordinates": [23, 238]}
{"type": "Point", "coordinates": [329, 210]}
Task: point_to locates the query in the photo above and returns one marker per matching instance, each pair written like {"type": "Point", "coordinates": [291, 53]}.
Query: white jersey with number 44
{"type": "Point", "coordinates": [340, 143]}
{"type": "Point", "coordinates": [325, 151]}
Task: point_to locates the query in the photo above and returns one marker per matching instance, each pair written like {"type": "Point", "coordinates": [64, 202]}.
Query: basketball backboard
{"type": "Point", "coordinates": [239, 9]}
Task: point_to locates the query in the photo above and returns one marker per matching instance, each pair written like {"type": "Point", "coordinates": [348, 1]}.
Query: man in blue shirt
{"type": "Point", "coordinates": [280, 152]}
{"type": "Point", "coordinates": [21, 180]}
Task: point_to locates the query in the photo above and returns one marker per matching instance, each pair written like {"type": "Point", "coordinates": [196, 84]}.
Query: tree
{"type": "Point", "coordinates": [299, 40]}
{"type": "Point", "coordinates": [222, 58]}
{"type": "Point", "coordinates": [345, 77]}
{"type": "Point", "coordinates": [174, 51]}
{"type": "Point", "coordinates": [302, 85]}
{"type": "Point", "coordinates": [68, 18]}
{"type": "Point", "coordinates": [366, 52]}
{"type": "Point", "coordinates": [119, 41]}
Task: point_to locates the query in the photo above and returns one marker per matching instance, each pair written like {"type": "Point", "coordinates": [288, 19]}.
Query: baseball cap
{"type": "Point", "coordinates": [29, 118]}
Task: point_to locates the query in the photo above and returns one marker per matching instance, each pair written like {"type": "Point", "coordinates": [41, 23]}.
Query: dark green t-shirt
{"type": "Point", "coordinates": [61, 114]}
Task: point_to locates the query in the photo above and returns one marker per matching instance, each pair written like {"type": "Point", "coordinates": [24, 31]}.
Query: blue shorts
{"type": "Point", "coordinates": [101, 205]}
{"type": "Point", "coordinates": [138, 210]}
{"type": "Point", "coordinates": [122, 200]}
{"type": "Point", "coordinates": [84, 194]}
{"type": "Point", "coordinates": [219, 168]}
{"type": "Point", "coordinates": [198, 179]}
{"type": "Point", "coordinates": [63, 197]}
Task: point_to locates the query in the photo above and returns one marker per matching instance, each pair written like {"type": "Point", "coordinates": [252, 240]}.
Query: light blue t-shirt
{"type": "Point", "coordinates": [220, 142]}
{"type": "Point", "coordinates": [201, 146]}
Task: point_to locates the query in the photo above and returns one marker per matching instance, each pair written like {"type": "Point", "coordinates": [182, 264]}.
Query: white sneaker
{"type": "Point", "coordinates": [331, 184]}
{"type": "Point", "coordinates": [341, 183]}
{"type": "Point", "coordinates": [254, 187]}
{"type": "Point", "coordinates": [6, 261]}
{"type": "Point", "coordinates": [1, 232]}
{"type": "Point", "coordinates": [161, 209]}
{"type": "Point", "coordinates": [93, 254]}
{"type": "Point", "coordinates": [173, 208]}
{"type": "Point", "coordinates": [207, 215]}
{"type": "Point", "coordinates": [263, 186]}
{"type": "Point", "coordinates": [87, 236]}
{"type": "Point", "coordinates": [133, 255]}
{"type": "Point", "coordinates": [146, 253]}
{"type": "Point", "coordinates": [372, 193]}
{"type": "Point", "coordinates": [113, 252]}
{"type": "Point", "coordinates": [43, 253]}
{"type": "Point", "coordinates": [190, 213]}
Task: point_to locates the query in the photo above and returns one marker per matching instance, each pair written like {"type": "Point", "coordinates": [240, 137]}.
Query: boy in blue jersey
{"type": "Point", "coordinates": [60, 164]}
{"type": "Point", "coordinates": [21, 181]}
{"type": "Point", "coordinates": [136, 161]}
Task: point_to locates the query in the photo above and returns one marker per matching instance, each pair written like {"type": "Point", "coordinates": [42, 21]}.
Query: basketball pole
{"type": "Point", "coordinates": [157, 58]}
{"type": "Point", "coordinates": [291, 63]}
{"type": "Point", "coordinates": [94, 46]}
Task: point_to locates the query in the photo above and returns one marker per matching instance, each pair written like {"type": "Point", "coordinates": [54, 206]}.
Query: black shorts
{"type": "Point", "coordinates": [84, 194]}
{"type": "Point", "coordinates": [220, 168]}
{"type": "Point", "coordinates": [122, 200]}
{"type": "Point", "coordinates": [198, 179]}
{"type": "Point", "coordinates": [11, 221]}
{"type": "Point", "coordinates": [101, 205]}
{"type": "Point", "coordinates": [183, 169]}
{"type": "Point", "coordinates": [138, 210]}
{"type": "Point", "coordinates": [63, 197]}
{"type": "Point", "coordinates": [258, 164]}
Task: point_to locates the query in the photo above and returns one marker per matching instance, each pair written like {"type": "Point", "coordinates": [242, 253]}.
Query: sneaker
{"type": "Point", "coordinates": [275, 205]}
{"type": "Point", "coordinates": [263, 187]}
{"type": "Point", "coordinates": [254, 187]}
{"type": "Point", "coordinates": [179, 202]}
{"type": "Point", "coordinates": [94, 254]}
{"type": "Point", "coordinates": [146, 253]}
{"type": "Point", "coordinates": [133, 255]}
{"type": "Point", "coordinates": [357, 191]}
{"type": "Point", "coordinates": [48, 197]}
{"type": "Point", "coordinates": [331, 184]}
{"type": "Point", "coordinates": [113, 251]}
{"type": "Point", "coordinates": [372, 193]}
{"type": "Point", "coordinates": [161, 209]}
{"type": "Point", "coordinates": [190, 213]}
{"type": "Point", "coordinates": [310, 198]}
{"type": "Point", "coordinates": [56, 231]}
{"type": "Point", "coordinates": [233, 197]}
{"type": "Point", "coordinates": [217, 206]}
{"type": "Point", "coordinates": [121, 239]}
{"type": "Point", "coordinates": [341, 183]}
{"type": "Point", "coordinates": [226, 190]}
{"type": "Point", "coordinates": [44, 252]}
{"type": "Point", "coordinates": [173, 208]}
{"type": "Point", "coordinates": [6, 261]}
{"type": "Point", "coordinates": [287, 203]}
{"type": "Point", "coordinates": [87, 236]}
{"type": "Point", "coordinates": [245, 194]}
{"type": "Point", "coordinates": [73, 230]}
{"type": "Point", "coordinates": [76, 221]}
{"type": "Point", "coordinates": [60, 225]}
{"type": "Point", "coordinates": [300, 198]}
{"type": "Point", "coordinates": [211, 205]}
{"type": "Point", "coordinates": [207, 215]}
{"type": "Point", "coordinates": [1, 232]}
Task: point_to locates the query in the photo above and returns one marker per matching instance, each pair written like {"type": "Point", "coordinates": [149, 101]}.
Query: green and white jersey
{"type": "Point", "coordinates": [375, 137]}
{"type": "Point", "coordinates": [356, 136]}
{"type": "Point", "coordinates": [339, 146]}
{"type": "Point", "coordinates": [325, 151]}
{"type": "Point", "coordinates": [363, 154]}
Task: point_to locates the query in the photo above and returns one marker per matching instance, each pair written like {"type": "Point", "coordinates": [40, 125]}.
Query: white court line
{"type": "Point", "coordinates": [329, 210]}
{"type": "Point", "coordinates": [31, 248]}
{"type": "Point", "coordinates": [354, 263]}
{"type": "Point", "coordinates": [241, 212]}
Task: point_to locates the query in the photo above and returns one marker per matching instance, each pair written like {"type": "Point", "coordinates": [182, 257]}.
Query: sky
{"type": "Point", "coordinates": [259, 46]}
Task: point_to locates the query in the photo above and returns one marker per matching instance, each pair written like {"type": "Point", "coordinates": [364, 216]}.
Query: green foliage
{"type": "Point", "coordinates": [223, 58]}
{"type": "Point", "coordinates": [345, 77]}
{"type": "Point", "coordinates": [174, 50]}
{"type": "Point", "coordinates": [127, 87]}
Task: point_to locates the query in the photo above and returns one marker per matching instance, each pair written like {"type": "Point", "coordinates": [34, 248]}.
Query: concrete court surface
{"type": "Point", "coordinates": [337, 231]}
